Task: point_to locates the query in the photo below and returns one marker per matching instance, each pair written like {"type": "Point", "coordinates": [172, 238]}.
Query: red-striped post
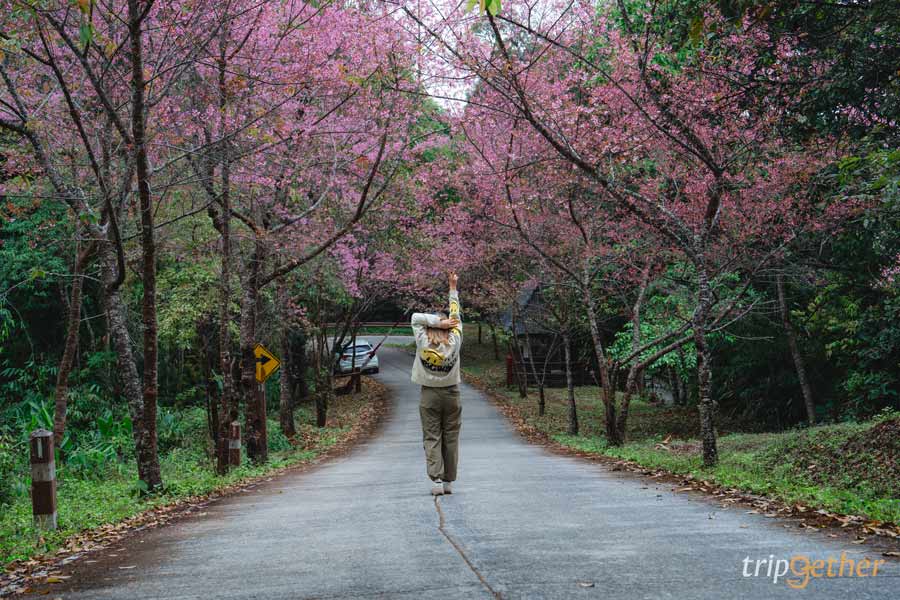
{"type": "Point", "coordinates": [234, 444]}
{"type": "Point", "coordinates": [43, 479]}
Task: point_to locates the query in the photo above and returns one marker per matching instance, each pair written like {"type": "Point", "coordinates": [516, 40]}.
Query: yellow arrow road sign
{"type": "Point", "coordinates": [266, 363]}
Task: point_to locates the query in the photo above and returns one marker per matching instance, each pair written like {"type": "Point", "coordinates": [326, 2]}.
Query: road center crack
{"type": "Point", "coordinates": [459, 550]}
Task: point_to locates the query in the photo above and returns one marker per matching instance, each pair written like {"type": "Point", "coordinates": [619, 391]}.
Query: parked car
{"type": "Point", "coordinates": [366, 360]}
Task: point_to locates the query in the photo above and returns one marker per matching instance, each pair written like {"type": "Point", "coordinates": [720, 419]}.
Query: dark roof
{"type": "Point", "coordinates": [527, 303]}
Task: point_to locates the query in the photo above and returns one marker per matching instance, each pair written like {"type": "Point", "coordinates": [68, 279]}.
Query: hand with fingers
{"type": "Point", "coordinates": [448, 323]}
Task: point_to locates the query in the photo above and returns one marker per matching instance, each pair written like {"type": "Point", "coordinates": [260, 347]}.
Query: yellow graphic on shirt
{"type": "Point", "coordinates": [432, 358]}
{"type": "Point", "coordinates": [434, 361]}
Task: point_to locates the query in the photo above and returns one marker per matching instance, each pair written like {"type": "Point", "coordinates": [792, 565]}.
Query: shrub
{"type": "Point", "coordinates": [278, 442]}
{"type": "Point", "coordinates": [185, 428]}
{"type": "Point", "coordinates": [11, 468]}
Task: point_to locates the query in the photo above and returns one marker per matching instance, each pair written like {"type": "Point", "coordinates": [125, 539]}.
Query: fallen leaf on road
{"type": "Point", "coordinates": [586, 584]}
{"type": "Point", "coordinates": [129, 567]}
{"type": "Point", "coordinates": [892, 553]}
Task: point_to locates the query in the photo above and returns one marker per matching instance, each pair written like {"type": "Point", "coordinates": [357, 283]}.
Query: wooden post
{"type": "Point", "coordinates": [43, 479]}
{"type": "Point", "coordinates": [263, 426]}
{"type": "Point", "coordinates": [234, 444]}
{"type": "Point", "coordinates": [356, 380]}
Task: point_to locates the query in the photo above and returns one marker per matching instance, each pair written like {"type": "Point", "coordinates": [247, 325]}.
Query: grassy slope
{"type": "Point", "coordinates": [849, 468]}
{"type": "Point", "coordinates": [112, 497]}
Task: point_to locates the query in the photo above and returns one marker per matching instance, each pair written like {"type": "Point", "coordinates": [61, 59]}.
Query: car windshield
{"type": "Point", "coordinates": [358, 349]}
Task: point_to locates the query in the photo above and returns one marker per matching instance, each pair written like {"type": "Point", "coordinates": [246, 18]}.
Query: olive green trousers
{"type": "Point", "coordinates": [441, 420]}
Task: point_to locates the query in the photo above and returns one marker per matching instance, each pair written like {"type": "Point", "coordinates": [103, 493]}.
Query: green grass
{"type": "Point", "coordinates": [848, 468]}
{"type": "Point", "coordinates": [113, 495]}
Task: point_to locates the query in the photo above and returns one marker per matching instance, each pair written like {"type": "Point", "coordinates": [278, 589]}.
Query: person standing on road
{"type": "Point", "coordinates": [436, 369]}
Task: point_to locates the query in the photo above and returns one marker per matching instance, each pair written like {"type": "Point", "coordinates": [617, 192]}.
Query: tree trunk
{"type": "Point", "coordinates": [479, 333]}
{"type": "Point", "coordinates": [518, 360]}
{"type": "Point", "coordinates": [704, 371]}
{"type": "Point", "coordinates": [252, 418]}
{"type": "Point", "coordinates": [225, 364]}
{"type": "Point", "coordinates": [69, 350]}
{"type": "Point", "coordinates": [794, 346]}
{"type": "Point", "coordinates": [286, 399]}
{"type": "Point", "coordinates": [117, 316]}
{"type": "Point", "coordinates": [570, 387]}
{"type": "Point", "coordinates": [323, 397]}
{"type": "Point", "coordinates": [323, 383]}
{"type": "Point", "coordinates": [606, 394]}
{"type": "Point", "coordinates": [632, 383]}
{"type": "Point", "coordinates": [627, 395]}
{"type": "Point", "coordinates": [542, 400]}
{"type": "Point", "coordinates": [223, 224]}
{"type": "Point", "coordinates": [540, 382]}
{"type": "Point", "coordinates": [148, 464]}
{"type": "Point", "coordinates": [494, 340]}
{"type": "Point", "coordinates": [521, 382]}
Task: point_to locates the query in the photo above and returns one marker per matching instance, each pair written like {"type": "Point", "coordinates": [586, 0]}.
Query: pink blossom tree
{"type": "Point", "coordinates": [682, 145]}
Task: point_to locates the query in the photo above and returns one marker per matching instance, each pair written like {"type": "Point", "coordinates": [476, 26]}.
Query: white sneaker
{"type": "Point", "coordinates": [437, 488]}
{"type": "Point", "coordinates": [447, 488]}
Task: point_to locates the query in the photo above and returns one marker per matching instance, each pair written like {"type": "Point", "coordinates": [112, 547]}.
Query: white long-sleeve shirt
{"type": "Point", "coordinates": [437, 365]}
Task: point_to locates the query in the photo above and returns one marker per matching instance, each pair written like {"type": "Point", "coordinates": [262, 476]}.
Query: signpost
{"type": "Point", "coordinates": [266, 365]}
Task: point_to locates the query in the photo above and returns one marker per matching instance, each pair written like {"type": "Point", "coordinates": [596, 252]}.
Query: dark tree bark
{"type": "Point", "coordinates": [606, 393]}
{"type": "Point", "coordinates": [704, 371]}
{"type": "Point", "coordinates": [300, 363]}
{"type": "Point", "coordinates": [117, 318]}
{"type": "Point", "coordinates": [257, 449]}
{"type": "Point", "coordinates": [799, 363]}
{"type": "Point", "coordinates": [148, 464]}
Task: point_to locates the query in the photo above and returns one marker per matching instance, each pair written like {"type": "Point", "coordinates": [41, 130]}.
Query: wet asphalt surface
{"type": "Point", "coordinates": [522, 523]}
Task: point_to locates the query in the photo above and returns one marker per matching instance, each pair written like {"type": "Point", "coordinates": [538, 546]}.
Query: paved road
{"type": "Point", "coordinates": [523, 524]}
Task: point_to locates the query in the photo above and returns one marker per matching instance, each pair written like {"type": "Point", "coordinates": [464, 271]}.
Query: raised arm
{"type": "Point", "coordinates": [456, 331]}
{"type": "Point", "coordinates": [421, 321]}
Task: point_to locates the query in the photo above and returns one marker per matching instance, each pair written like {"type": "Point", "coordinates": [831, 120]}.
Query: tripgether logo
{"type": "Point", "coordinates": [798, 570]}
